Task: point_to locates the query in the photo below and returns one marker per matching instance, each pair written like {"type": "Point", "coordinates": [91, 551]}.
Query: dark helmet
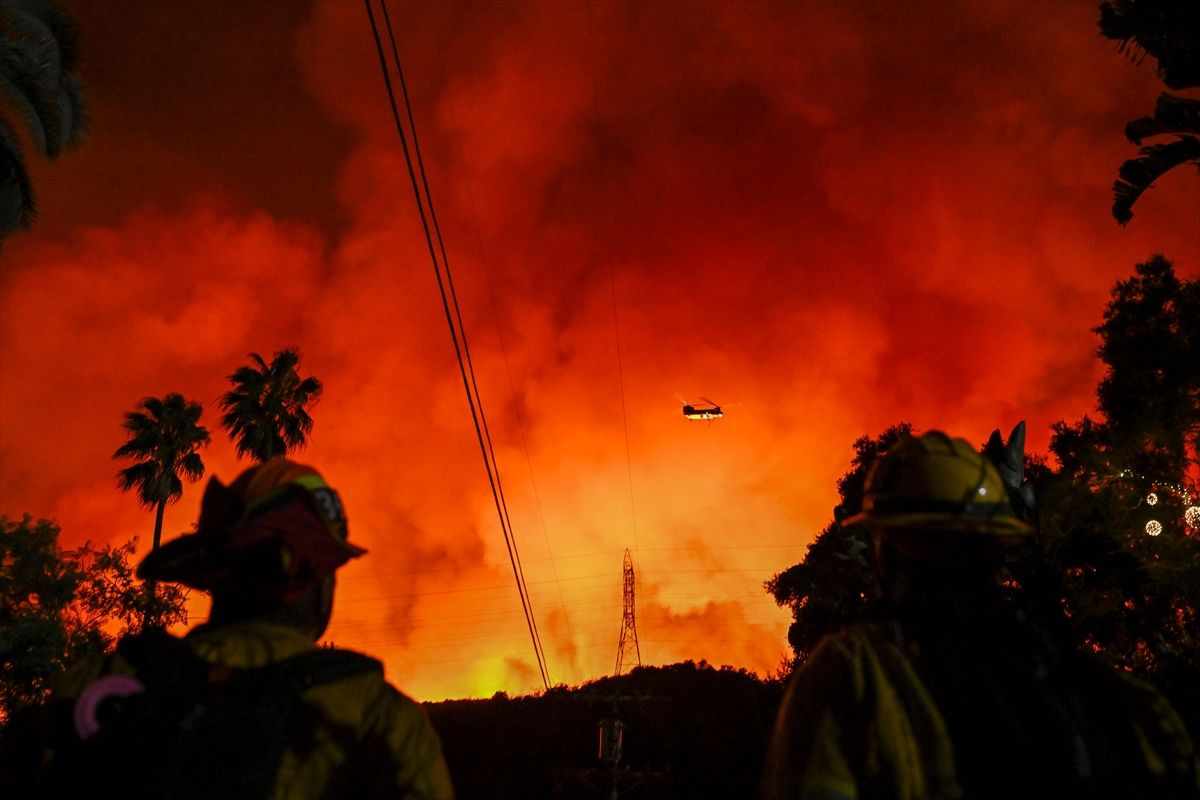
{"type": "Point", "coordinates": [278, 527]}
{"type": "Point", "coordinates": [938, 483]}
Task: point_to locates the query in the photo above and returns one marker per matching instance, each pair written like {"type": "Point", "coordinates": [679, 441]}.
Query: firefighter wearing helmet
{"type": "Point", "coordinates": [246, 705]}
{"type": "Point", "coordinates": [948, 689]}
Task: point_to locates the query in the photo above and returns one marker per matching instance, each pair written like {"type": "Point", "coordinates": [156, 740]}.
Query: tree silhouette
{"type": "Point", "coordinates": [690, 730]}
{"type": "Point", "coordinates": [163, 439]}
{"type": "Point", "coordinates": [37, 79]}
{"type": "Point", "coordinates": [1169, 31]}
{"type": "Point", "coordinates": [1150, 393]}
{"type": "Point", "coordinates": [57, 606]}
{"type": "Point", "coordinates": [265, 411]}
{"type": "Point", "coordinates": [164, 436]}
{"type": "Point", "coordinates": [1115, 528]}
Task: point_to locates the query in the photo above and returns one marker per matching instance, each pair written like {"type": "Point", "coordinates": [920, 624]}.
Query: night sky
{"type": "Point", "coordinates": [827, 217]}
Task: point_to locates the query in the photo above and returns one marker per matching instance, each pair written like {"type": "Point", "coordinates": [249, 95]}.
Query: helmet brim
{"type": "Point", "coordinates": [189, 560]}
{"type": "Point", "coordinates": [998, 525]}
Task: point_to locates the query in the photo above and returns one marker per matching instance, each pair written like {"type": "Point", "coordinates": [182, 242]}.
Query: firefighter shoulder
{"type": "Point", "coordinates": [266, 547]}
{"type": "Point", "coordinates": [861, 717]}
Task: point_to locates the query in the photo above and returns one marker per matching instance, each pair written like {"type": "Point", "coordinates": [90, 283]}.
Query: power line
{"type": "Point", "coordinates": [506, 522]}
{"type": "Point", "coordinates": [462, 353]}
{"type": "Point", "coordinates": [490, 462]}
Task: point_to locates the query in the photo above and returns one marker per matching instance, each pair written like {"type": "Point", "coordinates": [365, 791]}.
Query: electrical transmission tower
{"type": "Point", "coordinates": [628, 623]}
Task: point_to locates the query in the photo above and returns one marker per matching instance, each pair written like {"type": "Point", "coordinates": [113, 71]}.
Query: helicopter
{"type": "Point", "coordinates": [710, 412]}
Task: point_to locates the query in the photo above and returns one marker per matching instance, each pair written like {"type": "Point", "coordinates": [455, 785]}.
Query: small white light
{"type": "Point", "coordinates": [1192, 516]}
{"type": "Point", "coordinates": [1152, 499]}
{"type": "Point", "coordinates": [1153, 528]}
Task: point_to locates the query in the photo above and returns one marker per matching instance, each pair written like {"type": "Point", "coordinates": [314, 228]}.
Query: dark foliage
{"type": "Point", "coordinates": [164, 435]}
{"type": "Point", "coordinates": [1169, 32]}
{"type": "Point", "coordinates": [1166, 30]}
{"type": "Point", "coordinates": [1150, 393]}
{"type": "Point", "coordinates": [690, 731]}
{"type": "Point", "coordinates": [265, 412]}
{"type": "Point", "coordinates": [57, 606]}
{"type": "Point", "coordinates": [39, 84]}
{"type": "Point", "coordinates": [1131, 596]}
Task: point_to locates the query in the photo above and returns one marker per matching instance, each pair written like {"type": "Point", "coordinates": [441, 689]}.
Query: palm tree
{"type": "Point", "coordinates": [164, 436]}
{"type": "Point", "coordinates": [37, 78]}
{"type": "Point", "coordinates": [265, 412]}
{"type": "Point", "coordinates": [1169, 31]}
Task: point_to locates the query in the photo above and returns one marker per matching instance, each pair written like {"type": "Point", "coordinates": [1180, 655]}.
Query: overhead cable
{"type": "Point", "coordinates": [453, 319]}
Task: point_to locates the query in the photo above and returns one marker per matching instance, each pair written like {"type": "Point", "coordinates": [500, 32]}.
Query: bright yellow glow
{"type": "Point", "coordinates": [1153, 527]}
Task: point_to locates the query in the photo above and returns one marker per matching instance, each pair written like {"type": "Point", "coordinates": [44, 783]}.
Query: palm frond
{"type": "Point", "coordinates": [62, 26]}
{"type": "Point", "coordinates": [302, 421]}
{"type": "Point", "coordinates": [192, 412]}
{"type": "Point", "coordinates": [245, 377]}
{"type": "Point", "coordinates": [18, 207]}
{"type": "Point", "coordinates": [172, 486]}
{"type": "Point", "coordinates": [133, 449]}
{"type": "Point", "coordinates": [37, 56]}
{"type": "Point", "coordinates": [164, 435]}
{"type": "Point", "coordinates": [154, 406]}
{"type": "Point", "coordinates": [138, 421]}
{"type": "Point", "coordinates": [1163, 29]}
{"type": "Point", "coordinates": [265, 410]}
{"type": "Point", "coordinates": [1137, 174]}
{"type": "Point", "coordinates": [24, 100]}
{"type": "Point", "coordinates": [1171, 115]}
{"type": "Point", "coordinates": [285, 361]}
{"type": "Point", "coordinates": [146, 479]}
{"type": "Point", "coordinates": [310, 388]}
{"type": "Point", "coordinates": [73, 105]}
{"type": "Point", "coordinates": [31, 67]}
{"type": "Point", "coordinates": [192, 466]}
{"type": "Point", "coordinates": [137, 473]}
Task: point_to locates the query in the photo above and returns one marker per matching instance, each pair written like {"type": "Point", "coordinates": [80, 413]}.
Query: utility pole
{"type": "Point", "coordinates": [628, 622]}
{"type": "Point", "coordinates": [612, 742]}
{"type": "Point", "coordinates": [615, 779]}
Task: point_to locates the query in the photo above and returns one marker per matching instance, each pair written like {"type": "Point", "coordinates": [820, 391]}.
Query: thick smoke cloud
{"type": "Point", "coordinates": [827, 217]}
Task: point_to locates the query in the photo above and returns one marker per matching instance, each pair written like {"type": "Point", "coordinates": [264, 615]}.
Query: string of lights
{"type": "Point", "coordinates": [1153, 527]}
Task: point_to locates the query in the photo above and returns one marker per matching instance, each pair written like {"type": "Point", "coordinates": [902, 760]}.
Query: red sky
{"type": "Point", "coordinates": [828, 217]}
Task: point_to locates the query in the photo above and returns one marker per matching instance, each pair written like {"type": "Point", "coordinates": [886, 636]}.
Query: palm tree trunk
{"type": "Point", "coordinates": [151, 585]}
{"type": "Point", "coordinates": [158, 523]}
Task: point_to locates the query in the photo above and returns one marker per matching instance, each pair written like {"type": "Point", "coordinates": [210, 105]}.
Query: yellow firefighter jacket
{"type": "Point", "coordinates": [392, 751]}
{"type": "Point", "coordinates": [858, 722]}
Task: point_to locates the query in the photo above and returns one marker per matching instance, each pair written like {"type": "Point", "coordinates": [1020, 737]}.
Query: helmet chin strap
{"type": "Point", "coordinates": [324, 606]}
